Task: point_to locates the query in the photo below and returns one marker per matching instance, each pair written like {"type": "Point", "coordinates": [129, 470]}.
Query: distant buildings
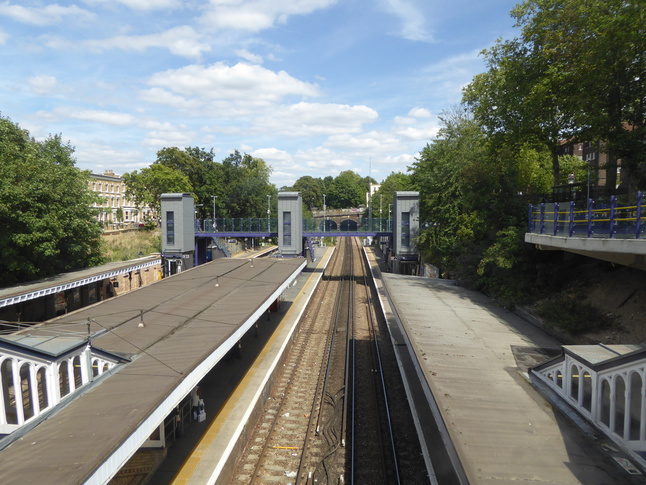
{"type": "Point", "coordinates": [112, 190]}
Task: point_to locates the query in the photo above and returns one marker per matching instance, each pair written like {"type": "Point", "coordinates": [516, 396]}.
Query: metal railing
{"type": "Point", "coordinates": [318, 225]}
{"type": "Point", "coordinates": [612, 218]}
{"type": "Point", "coordinates": [249, 224]}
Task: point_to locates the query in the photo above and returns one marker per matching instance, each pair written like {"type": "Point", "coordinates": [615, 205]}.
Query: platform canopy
{"type": "Point", "coordinates": [170, 335]}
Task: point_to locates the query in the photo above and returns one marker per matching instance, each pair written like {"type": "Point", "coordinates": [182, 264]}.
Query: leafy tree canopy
{"type": "Point", "coordinates": [311, 190]}
{"type": "Point", "coordinates": [48, 223]}
{"type": "Point", "coordinates": [145, 187]}
{"type": "Point", "coordinates": [347, 190]}
{"type": "Point", "coordinates": [395, 182]}
{"type": "Point", "coordinates": [576, 72]}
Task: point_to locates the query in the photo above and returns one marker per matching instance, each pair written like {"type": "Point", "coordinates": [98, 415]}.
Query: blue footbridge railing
{"type": "Point", "coordinates": [614, 217]}
{"type": "Point", "coordinates": [318, 227]}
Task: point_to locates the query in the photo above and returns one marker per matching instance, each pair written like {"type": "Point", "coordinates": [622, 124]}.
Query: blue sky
{"type": "Point", "coordinates": [313, 87]}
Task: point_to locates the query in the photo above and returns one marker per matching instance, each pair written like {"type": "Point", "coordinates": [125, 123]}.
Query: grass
{"type": "Point", "coordinates": [127, 245]}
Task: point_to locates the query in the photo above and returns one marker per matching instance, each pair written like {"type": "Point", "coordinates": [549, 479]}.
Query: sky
{"type": "Point", "coordinates": [313, 87]}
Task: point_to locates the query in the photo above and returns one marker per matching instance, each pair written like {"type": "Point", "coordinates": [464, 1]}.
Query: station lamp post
{"type": "Point", "coordinates": [214, 197]}
{"type": "Point", "coordinates": [389, 227]}
{"type": "Point", "coordinates": [268, 212]}
{"type": "Point", "coordinates": [381, 199]}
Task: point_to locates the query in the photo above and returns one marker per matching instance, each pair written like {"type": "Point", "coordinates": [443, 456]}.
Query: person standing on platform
{"type": "Point", "coordinates": [195, 402]}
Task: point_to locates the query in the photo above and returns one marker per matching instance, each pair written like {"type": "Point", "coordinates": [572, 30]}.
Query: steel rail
{"type": "Point", "coordinates": [381, 379]}
{"type": "Point", "coordinates": [263, 452]}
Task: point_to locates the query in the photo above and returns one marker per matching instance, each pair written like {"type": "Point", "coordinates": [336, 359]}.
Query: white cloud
{"type": "Point", "coordinates": [161, 96]}
{"type": "Point", "coordinates": [47, 15]}
{"type": "Point", "coordinates": [3, 37]}
{"type": "Point", "coordinates": [249, 56]}
{"type": "Point", "coordinates": [304, 119]}
{"type": "Point", "coordinates": [413, 23]}
{"type": "Point", "coordinates": [372, 142]}
{"type": "Point", "coordinates": [417, 134]}
{"type": "Point", "coordinates": [139, 4]}
{"type": "Point", "coordinates": [98, 156]}
{"type": "Point", "coordinates": [180, 137]}
{"type": "Point", "coordinates": [42, 84]}
{"type": "Point", "coordinates": [112, 118]}
{"type": "Point", "coordinates": [225, 87]}
{"type": "Point", "coordinates": [404, 120]}
{"type": "Point", "coordinates": [418, 112]}
{"type": "Point", "coordinates": [257, 15]}
{"type": "Point", "coordinates": [182, 41]}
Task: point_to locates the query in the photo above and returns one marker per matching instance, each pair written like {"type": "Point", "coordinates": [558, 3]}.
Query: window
{"type": "Point", "coordinates": [605, 402]}
{"type": "Point", "coordinates": [170, 227]}
{"type": "Point", "coordinates": [25, 386]}
{"type": "Point", "coordinates": [405, 227]}
{"type": "Point", "coordinates": [620, 406]}
{"type": "Point", "coordinates": [574, 383]}
{"type": "Point", "coordinates": [78, 373]}
{"type": "Point", "coordinates": [9, 392]}
{"type": "Point", "coordinates": [287, 228]}
{"type": "Point", "coordinates": [587, 391]}
{"type": "Point", "coordinates": [41, 379]}
{"type": "Point", "coordinates": [635, 406]}
{"type": "Point", "coordinates": [63, 379]}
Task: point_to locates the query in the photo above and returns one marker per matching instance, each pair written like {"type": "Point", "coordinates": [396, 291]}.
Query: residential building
{"type": "Point", "coordinates": [112, 189]}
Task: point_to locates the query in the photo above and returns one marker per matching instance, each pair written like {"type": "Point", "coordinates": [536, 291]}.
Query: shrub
{"type": "Point", "coordinates": [572, 315]}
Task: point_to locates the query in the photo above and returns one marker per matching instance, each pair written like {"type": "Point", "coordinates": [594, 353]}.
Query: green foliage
{"type": "Point", "coordinates": [246, 186]}
{"type": "Point", "coordinates": [473, 206]}
{"type": "Point", "coordinates": [348, 189]}
{"type": "Point", "coordinates": [571, 164]}
{"type": "Point", "coordinates": [573, 315]}
{"type": "Point", "coordinates": [48, 224]}
{"type": "Point", "coordinates": [145, 187]}
{"type": "Point", "coordinates": [395, 182]}
{"type": "Point", "coordinates": [311, 190]}
{"type": "Point", "coordinates": [576, 72]}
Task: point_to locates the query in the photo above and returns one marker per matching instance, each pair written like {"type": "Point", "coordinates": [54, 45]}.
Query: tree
{"type": "Point", "coordinates": [246, 183]}
{"type": "Point", "coordinates": [204, 174]}
{"type": "Point", "coordinates": [144, 188]}
{"type": "Point", "coordinates": [311, 191]}
{"type": "Point", "coordinates": [520, 100]}
{"type": "Point", "coordinates": [395, 182]}
{"type": "Point", "coordinates": [347, 190]}
{"type": "Point", "coordinates": [48, 224]}
{"type": "Point", "coordinates": [473, 206]}
{"type": "Point", "coordinates": [597, 48]}
{"type": "Point", "coordinates": [576, 72]}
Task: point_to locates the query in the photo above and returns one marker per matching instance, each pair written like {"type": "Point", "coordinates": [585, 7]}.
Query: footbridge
{"type": "Point", "coordinates": [186, 240]}
{"type": "Point", "coordinates": [610, 229]}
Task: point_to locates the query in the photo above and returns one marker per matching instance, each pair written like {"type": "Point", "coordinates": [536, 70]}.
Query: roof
{"type": "Point", "coordinates": [189, 325]}
{"type": "Point", "coordinates": [45, 345]}
{"type": "Point", "coordinates": [65, 281]}
{"type": "Point", "coordinates": [602, 356]}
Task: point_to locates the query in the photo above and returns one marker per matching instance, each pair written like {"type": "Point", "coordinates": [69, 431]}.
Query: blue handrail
{"type": "Point", "coordinates": [603, 219]}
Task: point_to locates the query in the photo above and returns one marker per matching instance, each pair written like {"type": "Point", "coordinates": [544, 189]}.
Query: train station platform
{"type": "Point", "coordinates": [152, 346]}
{"type": "Point", "coordinates": [206, 454]}
{"type": "Point", "coordinates": [471, 358]}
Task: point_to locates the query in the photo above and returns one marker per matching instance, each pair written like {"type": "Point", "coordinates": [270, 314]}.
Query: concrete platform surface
{"type": "Point", "coordinates": [503, 430]}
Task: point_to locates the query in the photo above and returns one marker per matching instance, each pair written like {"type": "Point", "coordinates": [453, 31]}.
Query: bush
{"type": "Point", "coordinates": [574, 316]}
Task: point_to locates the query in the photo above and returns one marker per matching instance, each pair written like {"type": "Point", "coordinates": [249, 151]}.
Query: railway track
{"type": "Point", "coordinates": [328, 419]}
